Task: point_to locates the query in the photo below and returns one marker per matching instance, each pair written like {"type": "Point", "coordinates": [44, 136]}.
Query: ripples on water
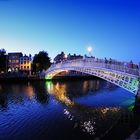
{"type": "Point", "coordinates": [88, 109]}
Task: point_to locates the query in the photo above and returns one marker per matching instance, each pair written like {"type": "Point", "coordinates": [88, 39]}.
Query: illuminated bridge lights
{"type": "Point", "coordinates": [48, 77]}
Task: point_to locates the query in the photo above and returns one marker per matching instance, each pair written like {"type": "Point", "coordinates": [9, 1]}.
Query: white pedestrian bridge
{"type": "Point", "coordinates": [118, 74]}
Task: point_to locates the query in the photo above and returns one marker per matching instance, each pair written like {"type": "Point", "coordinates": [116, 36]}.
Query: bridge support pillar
{"type": "Point", "coordinates": [137, 101]}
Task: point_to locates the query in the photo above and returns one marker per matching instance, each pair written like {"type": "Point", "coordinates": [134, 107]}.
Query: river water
{"type": "Point", "coordinates": [67, 110]}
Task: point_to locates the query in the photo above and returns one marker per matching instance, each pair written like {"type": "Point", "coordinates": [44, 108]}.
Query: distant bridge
{"type": "Point", "coordinates": [120, 75]}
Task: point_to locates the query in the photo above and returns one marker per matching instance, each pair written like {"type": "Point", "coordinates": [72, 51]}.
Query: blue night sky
{"type": "Point", "coordinates": [111, 27]}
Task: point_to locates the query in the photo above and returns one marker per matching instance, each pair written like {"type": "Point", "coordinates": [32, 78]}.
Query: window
{"type": "Point", "coordinates": [27, 67]}
{"type": "Point", "coordinates": [24, 67]}
{"type": "Point", "coordinates": [13, 61]}
{"type": "Point", "coordinates": [24, 62]}
{"type": "Point", "coordinates": [17, 61]}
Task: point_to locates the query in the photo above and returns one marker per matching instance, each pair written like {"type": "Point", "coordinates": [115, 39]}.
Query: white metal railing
{"type": "Point", "coordinates": [92, 63]}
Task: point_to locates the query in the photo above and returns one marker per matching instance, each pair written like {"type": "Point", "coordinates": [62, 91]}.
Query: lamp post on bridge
{"type": "Point", "coordinates": [89, 49]}
{"type": "Point", "coordinates": [65, 56]}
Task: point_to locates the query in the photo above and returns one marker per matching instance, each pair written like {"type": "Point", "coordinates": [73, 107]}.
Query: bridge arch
{"type": "Point", "coordinates": [113, 74]}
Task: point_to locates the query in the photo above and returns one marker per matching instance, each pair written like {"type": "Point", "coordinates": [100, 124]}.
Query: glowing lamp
{"type": "Point", "coordinates": [89, 49]}
{"type": "Point", "coordinates": [65, 56]}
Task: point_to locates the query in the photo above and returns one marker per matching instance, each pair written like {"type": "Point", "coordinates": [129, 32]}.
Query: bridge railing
{"type": "Point", "coordinates": [92, 63]}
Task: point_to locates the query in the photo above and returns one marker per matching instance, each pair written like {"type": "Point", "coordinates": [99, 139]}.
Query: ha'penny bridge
{"type": "Point", "coordinates": [120, 75]}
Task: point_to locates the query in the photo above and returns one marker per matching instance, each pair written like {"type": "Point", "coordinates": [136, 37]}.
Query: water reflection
{"type": "Point", "coordinates": [3, 100]}
{"type": "Point", "coordinates": [59, 91]}
{"type": "Point", "coordinates": [92, 85]}
{"type": "Point", "coordinates": [97, 119]}
{"type": "Point", "coordinates": [41, 93]}
{"type": "Point", "coordinates": [29, 91]}
{"type": "Point", "coordinates": [17, 94]}
{"type": "Point", "coordinates": [88, 119]}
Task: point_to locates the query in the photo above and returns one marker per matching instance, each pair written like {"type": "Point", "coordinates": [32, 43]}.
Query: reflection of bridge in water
{"type": "Point", "coordinates": [120, 75]}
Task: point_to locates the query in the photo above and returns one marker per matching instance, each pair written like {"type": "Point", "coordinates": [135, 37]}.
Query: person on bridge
{"type": "Point", "coordinates": [106, 61]}
{"type": "Point", "coordinates": [110, 61]}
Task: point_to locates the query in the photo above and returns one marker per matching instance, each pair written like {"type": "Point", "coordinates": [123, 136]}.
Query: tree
{"type": "Point", "coordinates": [3, 60]}
{"type": "Point", "coordinates": [2, 52]}
{"type": "Point", "coordinates": [41, 61]}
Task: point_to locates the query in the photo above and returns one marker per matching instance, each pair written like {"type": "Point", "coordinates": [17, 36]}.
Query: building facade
{"type": "Point", "coordinates": [25, 63]}
{"type": "Point", "coordinates": [14, 61]}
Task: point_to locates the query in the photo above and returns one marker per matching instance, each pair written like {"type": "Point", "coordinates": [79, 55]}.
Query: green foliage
{"type": "Point", "coordinates": [41, 61]}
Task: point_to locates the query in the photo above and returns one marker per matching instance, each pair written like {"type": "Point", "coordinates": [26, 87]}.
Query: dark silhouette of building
{"type": "Point", "coordinates": [62, 57]}
{"type": "Point", "coordinates": [73, 57]}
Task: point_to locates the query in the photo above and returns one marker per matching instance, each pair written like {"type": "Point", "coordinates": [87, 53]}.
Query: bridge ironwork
{"type": "Point", "coordinates": [118, 74]}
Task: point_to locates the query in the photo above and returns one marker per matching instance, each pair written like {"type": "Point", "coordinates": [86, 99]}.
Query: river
{"type": "Point", "coordinates": [67, 110]}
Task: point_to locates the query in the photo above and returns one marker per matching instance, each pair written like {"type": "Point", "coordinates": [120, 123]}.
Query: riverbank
{"type": "Point", "coordinates": [35, 78]}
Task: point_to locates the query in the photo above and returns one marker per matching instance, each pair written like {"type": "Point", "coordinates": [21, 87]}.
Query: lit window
{"type": "Point", "coordinates": [13, 61]}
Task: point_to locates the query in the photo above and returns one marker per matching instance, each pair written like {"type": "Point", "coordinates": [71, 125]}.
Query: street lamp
{"type": "Point", "coordinates": [65, 56]}
{"type": "Point", "coordinates": [89, 49]}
